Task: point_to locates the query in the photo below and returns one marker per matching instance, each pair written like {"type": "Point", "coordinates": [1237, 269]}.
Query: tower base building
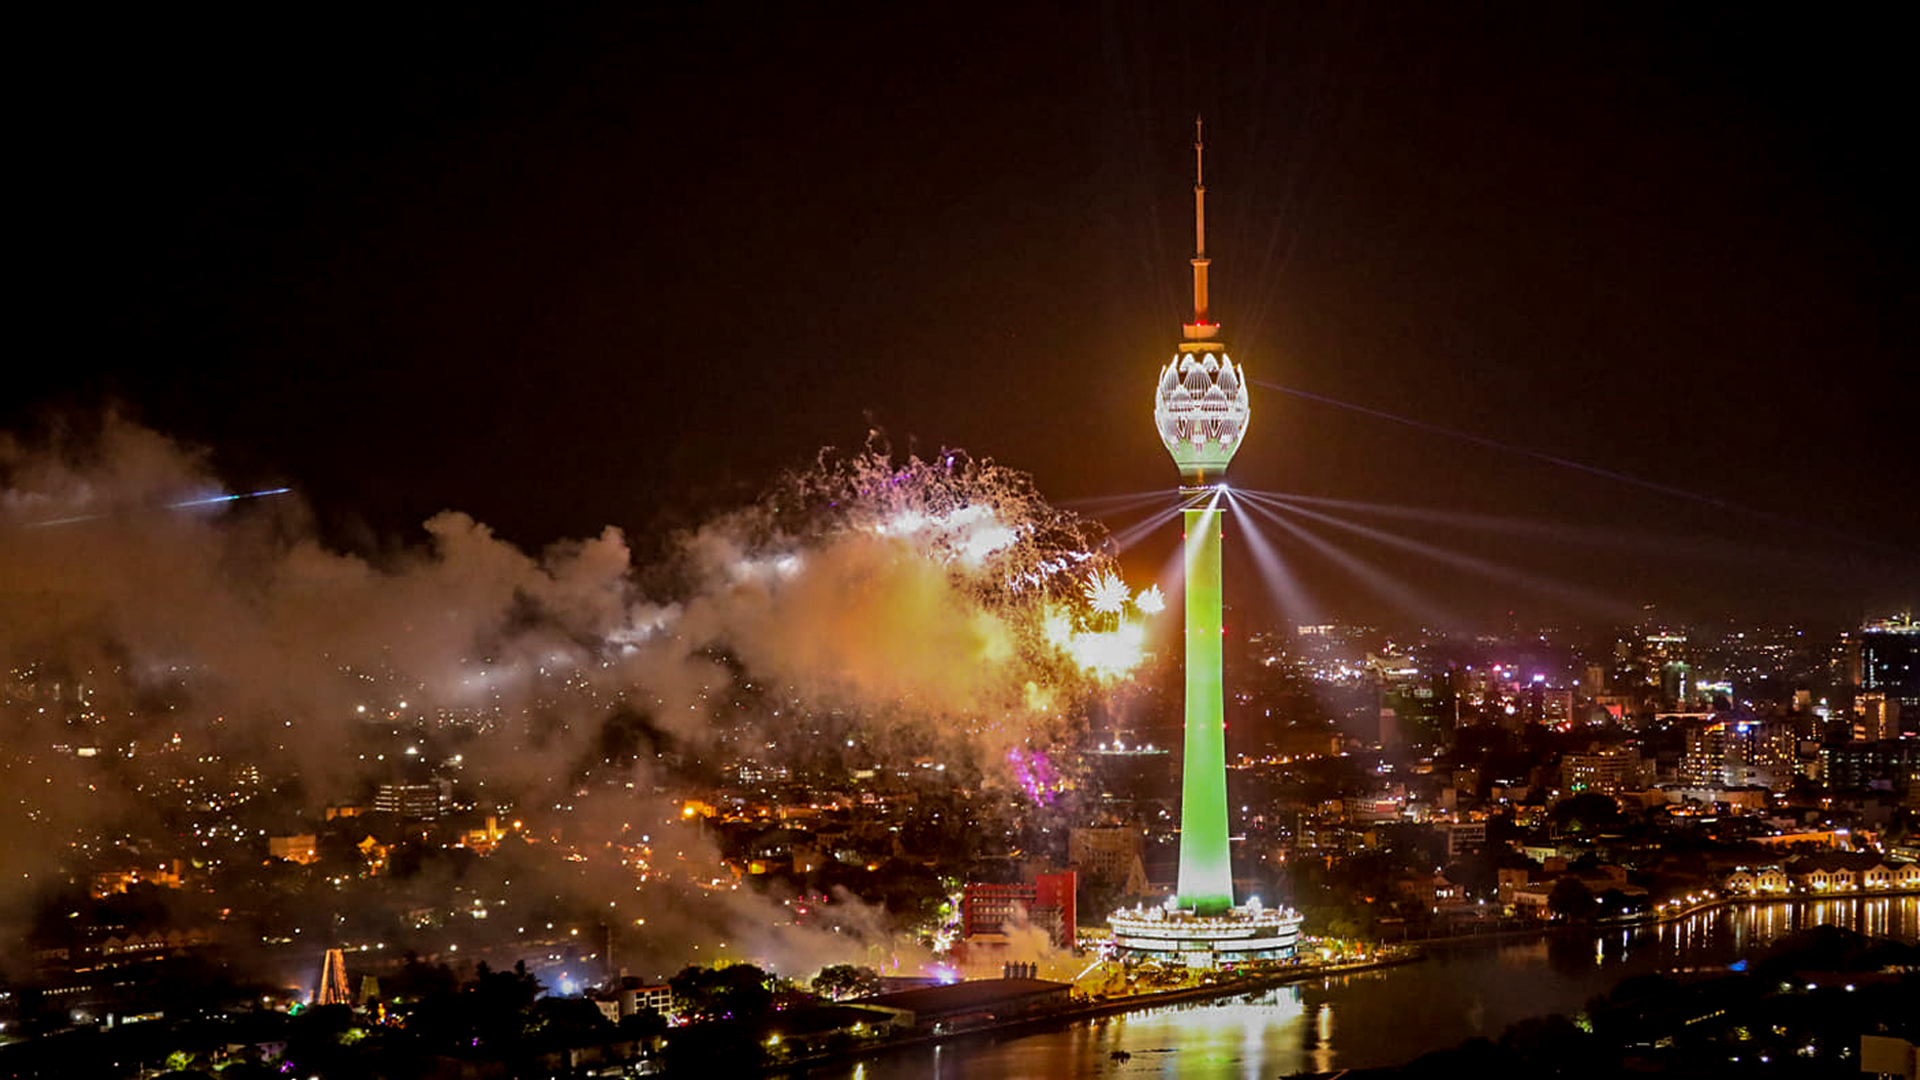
{"type": "Point", "coordinates": [1189, 939]}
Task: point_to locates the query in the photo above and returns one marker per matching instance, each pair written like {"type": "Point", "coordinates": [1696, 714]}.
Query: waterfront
{"type": "Point", "coordinates": [1386, 1016]}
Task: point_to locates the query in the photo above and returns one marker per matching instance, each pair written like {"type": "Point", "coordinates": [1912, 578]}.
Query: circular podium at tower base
{"type": "Point", "coordinates": [1248, 932]}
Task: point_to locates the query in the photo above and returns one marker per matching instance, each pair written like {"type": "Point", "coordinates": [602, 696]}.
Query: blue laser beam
{"type": "Point", "coordinates": [212, 500]}
{"type": "Point", "coordinates": [183, 504]}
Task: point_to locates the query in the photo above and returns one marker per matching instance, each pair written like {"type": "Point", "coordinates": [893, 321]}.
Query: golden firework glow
{"type": "Point", "coordinates": [1110, 654]}
{"type": "Point", "coordinates": [1108, 645]}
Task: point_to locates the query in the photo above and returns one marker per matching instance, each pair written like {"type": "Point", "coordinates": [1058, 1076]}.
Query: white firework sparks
{"type": "Point", "coordinates": [1151, 601]}
{"type": "Point", "coordinates": [1107, 593]}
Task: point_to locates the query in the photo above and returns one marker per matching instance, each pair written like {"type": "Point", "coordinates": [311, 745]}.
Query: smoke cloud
{"type": "Point", "coordinates": [141, 601]}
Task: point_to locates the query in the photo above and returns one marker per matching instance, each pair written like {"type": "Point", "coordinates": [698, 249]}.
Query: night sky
{"type": "Point", "coordinates": [624, 265]}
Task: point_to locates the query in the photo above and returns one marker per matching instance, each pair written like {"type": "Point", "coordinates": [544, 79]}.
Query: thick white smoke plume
{"type": "Point", "coordinates": [138, 603]}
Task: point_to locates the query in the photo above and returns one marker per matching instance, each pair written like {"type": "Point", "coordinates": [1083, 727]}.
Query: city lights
{"type": "Point", "coordinates": [442, 483]}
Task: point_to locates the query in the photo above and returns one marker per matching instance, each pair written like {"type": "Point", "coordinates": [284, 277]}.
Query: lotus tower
{"type": "Point", "coordinates": [1201, 411]}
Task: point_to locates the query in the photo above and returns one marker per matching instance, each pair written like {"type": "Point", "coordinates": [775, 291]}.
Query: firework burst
{"type": "Point", "coordinates": [1107, 593]}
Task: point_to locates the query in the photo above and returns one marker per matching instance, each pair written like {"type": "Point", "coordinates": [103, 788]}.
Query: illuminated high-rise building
{"type": "Point", "coordinates": [1876, 716]}
{"type": "Point", "coordinates": [1731, 752]}
{"type": "Point", "coordinates": [1890, 661]}
{"type": "Point", "coordinates": [421, 801]}
{"type": "Point", "coordinates": [1200, 410]}
{"type": "Point", "coordinates": [1608, 770]}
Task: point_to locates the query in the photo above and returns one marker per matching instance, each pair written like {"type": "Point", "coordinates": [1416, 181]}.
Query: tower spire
{"type": "Point", "coordinates": [1201, 328]}
{"type": "Point", "coordinates": [1199, 192]}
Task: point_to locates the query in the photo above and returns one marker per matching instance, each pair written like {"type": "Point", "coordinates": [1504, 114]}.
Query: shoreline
{"type": "Point", "coordinates": [1095, 1009]}
{"type": "Point", "coordinates": [1407, 952]}
{"type": "Point", "coordinates": [1630, 922]}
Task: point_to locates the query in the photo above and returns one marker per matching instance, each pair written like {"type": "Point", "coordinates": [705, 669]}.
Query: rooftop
{"type": "Point", "coordinates": [964, 996]}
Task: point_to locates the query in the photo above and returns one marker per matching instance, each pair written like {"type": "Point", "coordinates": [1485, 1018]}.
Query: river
{"type": "Point", "coordinates": [1382, 1017]}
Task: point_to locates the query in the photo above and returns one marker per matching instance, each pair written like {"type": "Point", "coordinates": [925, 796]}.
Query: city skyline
{"type": "Point", "coordinates": [622, 270]}
{"type": "Point", "coordinates": [628, 538]}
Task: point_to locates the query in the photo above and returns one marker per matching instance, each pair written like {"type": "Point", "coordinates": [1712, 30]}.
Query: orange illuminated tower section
{"type": "Point", "coordinates": [1201, 328]}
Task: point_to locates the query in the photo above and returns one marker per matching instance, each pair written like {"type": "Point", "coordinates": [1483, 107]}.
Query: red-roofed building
{"type": "Point", "coordinates": [1045, 902]}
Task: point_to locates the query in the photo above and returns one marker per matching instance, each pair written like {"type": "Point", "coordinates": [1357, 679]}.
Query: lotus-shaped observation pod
{"type": "Point", "coordinates": [1201, 410]}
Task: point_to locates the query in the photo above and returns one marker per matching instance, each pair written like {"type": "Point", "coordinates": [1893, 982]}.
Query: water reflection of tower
{"type": "Point", "coordinates": [1201, 411]}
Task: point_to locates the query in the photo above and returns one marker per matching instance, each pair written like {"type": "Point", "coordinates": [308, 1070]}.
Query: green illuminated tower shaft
{"type": "Point", "coordinates": [1206, 869]}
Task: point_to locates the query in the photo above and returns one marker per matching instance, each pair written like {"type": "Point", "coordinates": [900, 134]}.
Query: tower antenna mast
{"type": "Point", "coordinates": [1201, 328]}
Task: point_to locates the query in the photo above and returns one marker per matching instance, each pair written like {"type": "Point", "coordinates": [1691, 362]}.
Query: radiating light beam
{"type": "Point", "coordinates": [1495, 444]}
{"type": "Point", "coordinates": [1461, 519]}
{"type": "Point", "coordinates": [1382, 584]}
{"type": "Point", "coordinates": [1505, 574]}
{"type": "Point", "coordinates": [1140, 530]}
{"type": "Point", "coordinates": [1849, 538]}
{"type": "Point", "coordinates": [1280, 581]}
{"type": "Point", "coordinates": [1716, 551]}
{"type": "Point", "coordinates": [1114, 504]}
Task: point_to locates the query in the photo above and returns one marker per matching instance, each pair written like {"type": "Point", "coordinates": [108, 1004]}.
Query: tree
{"type": "Point", "coordinates": [1097, 898]}
{"type": "Point", "coordinates": [1586, 814]}
{"type": "Point", "coordinates": [505, 991]}
{"type": "Point", "coordinates": [1554, 1046]}
{"type": "Point", "coordinates": [1570, 899]}
{"type": "Point", "coordinates": [419, 981]}
{"type": "Point", "coordinates": [911, 893]}
{"type": "Point", "coordinates": [645, 1023]}
{"type": "Point", "coordinates": [314, 1044]}
{"type": "Point", "coordinates": [498, 1003]}
{"type": "Point", "coordinates": [565, 1019]}
{"type": "Point", "coordinates": [739, 991]}
{"type": "Point", "coordinates": [842, 981]}
{"type": "Point", "coordinates": [1476, 874]}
